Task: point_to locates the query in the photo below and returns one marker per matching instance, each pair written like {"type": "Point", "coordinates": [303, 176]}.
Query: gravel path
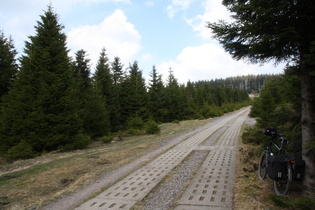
{"type": "Point", "coordinates": [166, 195]}
{"type": "Point", "coordinates": [179, 166]}
{"type": "Point", "coordinates": [72, 200]}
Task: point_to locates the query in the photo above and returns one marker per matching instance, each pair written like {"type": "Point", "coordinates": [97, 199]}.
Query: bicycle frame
{"type": "Point", "coordinates": [272, 142]}
{"type": "Point", "coordinates": [281, 186]}
{"type": "Point", "coordinates": [290, 158]}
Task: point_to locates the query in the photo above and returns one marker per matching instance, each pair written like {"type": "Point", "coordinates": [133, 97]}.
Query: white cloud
{"type": "Point", "coordinates": [209, 61]}
{"type": "Point", "coordinates": [214, 11]}
{"type": "Point", "coordinates": [72, 2]}
{"type": "Point", "coordinates": [146, 57]}
{"type": "Point", "coordinates": [178, 5]}
{"type": "Point", "coordinates": [18, 17]}
{"type": "Point", "coordinates": [149, 3]}
{"type": "Point", "coordinates": [115, 33]}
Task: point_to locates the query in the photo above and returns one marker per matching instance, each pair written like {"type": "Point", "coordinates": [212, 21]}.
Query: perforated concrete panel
{"type": "Point", "coordinates": [137, 185]}
{"type": "Point", "coordinates": [171, 158]}
{"type": "Point", "coordinates": [191, 207]}
{"type": "Point", "coordinates": [229, 137]}
{"type": "Point", "coordinates": [213, 185]}
{"type": "Point", "coordinates": [127, 192]}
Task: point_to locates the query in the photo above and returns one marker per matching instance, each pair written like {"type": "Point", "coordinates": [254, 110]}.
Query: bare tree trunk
{"type": "Point", "coordinates": [308, 120]}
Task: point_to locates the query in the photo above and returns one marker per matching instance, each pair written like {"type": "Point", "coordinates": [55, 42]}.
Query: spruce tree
{"type": "Point", "coordinates": [118, 77]}
{"type": "Point", "coordinates": [192, 111]}
{"type": "Point", "coordinates": [133, 95]}
{"type": "Point", "coordinates": [281, 31]}
{"type": "Point", "coordinates": [95, 114]}
{"type": "Point", "coordinates": [103, 76]}
{"type": "Point", "coordinates": [156, 97]}
{"type": "Point", "coordinates": [221, 95]}
{"type": "Point", "coordinates": [8, 66]}
{"type": "Point", "coordinates": [40, 112]}
{"type": "Point", "coordinates": [93, 110]}
{"type": "Point", "coordinates": [172, 98]}
{"type": "Point", "coordinates": [103, 82]}
{"type": "Point", "coordinates": [117, 70]}
{"type": "Point", "coordinates": [81, 70]}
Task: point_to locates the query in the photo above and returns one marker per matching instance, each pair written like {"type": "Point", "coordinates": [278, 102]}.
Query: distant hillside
{"type": "Point", "coordinates": [250, 83]}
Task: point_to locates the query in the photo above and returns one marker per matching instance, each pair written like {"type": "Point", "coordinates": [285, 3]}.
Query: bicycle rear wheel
{"type": "Point", "coordinates": [262, 167]}
{"type": "Point", "coordinates": [281, 186]}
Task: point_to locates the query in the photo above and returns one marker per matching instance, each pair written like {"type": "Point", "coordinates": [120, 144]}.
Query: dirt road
{"type": "Point", "coordinates": [211, 187]}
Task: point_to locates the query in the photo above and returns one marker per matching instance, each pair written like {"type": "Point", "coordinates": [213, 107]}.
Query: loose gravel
{"type": "Point", "coordinates": [165, 195]}
{"type": "Point", "coordinates": [168, 193]}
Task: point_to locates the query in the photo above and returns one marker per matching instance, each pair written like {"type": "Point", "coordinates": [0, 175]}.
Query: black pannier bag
{"type": "Point", "coordinates": [277, 167]}
{"type": "Point", "coordinates": [298, 172]}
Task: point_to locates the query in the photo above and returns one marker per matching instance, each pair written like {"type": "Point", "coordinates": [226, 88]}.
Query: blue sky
{"type": "Point", "coordinates": [164, 33]}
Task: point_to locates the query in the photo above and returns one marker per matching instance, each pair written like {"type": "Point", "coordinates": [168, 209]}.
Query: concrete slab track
{"type": "Point", "coordinates": [211, 187]}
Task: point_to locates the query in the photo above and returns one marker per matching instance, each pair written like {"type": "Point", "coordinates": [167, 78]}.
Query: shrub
{"type": "Point", "coordinates": [81, 141]}
{"type": "Point", "coordinates": [251, 135]}
{"type": "Point", "coordinates": [133, 131]}
{"type": "Point", "coordinates": [106, 139]}
{"type": "Point", "coordinates": [152, 127]}
{"type": "Point", "coordinates": [135, 122]}
{"type": "Point", "coordinates": [20, 151]}
{"type": "Point", "coordinates": [214, 111]}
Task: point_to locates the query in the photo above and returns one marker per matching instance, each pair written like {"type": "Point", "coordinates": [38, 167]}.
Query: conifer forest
{"type": "Point", "coordinates": [50, 101]}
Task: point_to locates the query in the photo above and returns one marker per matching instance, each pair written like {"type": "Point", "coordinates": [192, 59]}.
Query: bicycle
{"type": "Point", "coordinates": [282, 168]}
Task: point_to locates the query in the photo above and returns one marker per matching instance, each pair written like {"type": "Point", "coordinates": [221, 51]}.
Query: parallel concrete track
{"type": "Point", "coordinates": [212, 187]}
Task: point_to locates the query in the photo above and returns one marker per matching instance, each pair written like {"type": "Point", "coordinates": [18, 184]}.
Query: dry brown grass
{"type": "Point", "coordinates": [249, 191]}
{"type": "Point", "coordinates": [35, 182]}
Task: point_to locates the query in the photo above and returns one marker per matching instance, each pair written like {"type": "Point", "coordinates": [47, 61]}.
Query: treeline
{"type": "Point", "coordinates": [52, 102]}
{"type": "Point", "coordinates": [279, 106]}
{"type": "Point", "coordinates": [250, 83]}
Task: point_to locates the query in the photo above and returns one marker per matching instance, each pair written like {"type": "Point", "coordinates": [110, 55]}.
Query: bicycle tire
{"type": "Point", "coordinates": [281, 186]}
{"type": "Point", "coordinates": [262, 167]}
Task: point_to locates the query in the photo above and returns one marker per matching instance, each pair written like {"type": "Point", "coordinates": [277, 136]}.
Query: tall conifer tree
{"type": "Point", "coordinates": [40, 112]}
{"type": "Point", "coordinates": [8, 66]}
{"type": "Point", "coordinates": [82, 69]}
{"type": "Point", "coordinates": [155, 101]}
{"type": "Point", "coordinates": [103, 77]}
{"type": "Point", "coordinates": [192, 111]}
{"type": "Point", "coordinates": [118, 76]}
{"type": "Point", "coordinates": [133, 92]}
{"type": "Point", "coordinates": [281, 31]}
{"type": "Point", "coordinates": [93, 111]}
{"type": "Point", "coordinates": [117, 70]}
{"type": "Point", "coordinates": [98, 109]}
{"type": "Point", "coordinates": [172, 97]}
{"type": "Point", "coordinates": [96, 114]}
